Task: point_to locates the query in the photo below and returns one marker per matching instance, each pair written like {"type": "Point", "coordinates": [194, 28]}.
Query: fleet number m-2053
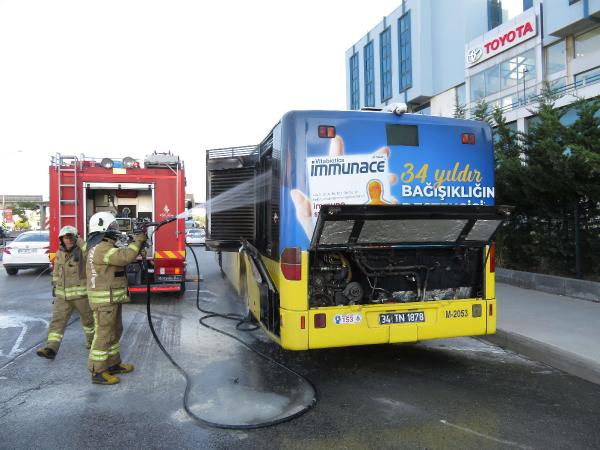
{"type": "Point", "coordinates": [456, 314]}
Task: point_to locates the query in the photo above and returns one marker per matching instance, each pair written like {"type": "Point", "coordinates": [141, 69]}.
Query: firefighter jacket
{"type": "Point", "coordinates": [106, 274]}
{"type": "Point", "coordinates": [68, 276]}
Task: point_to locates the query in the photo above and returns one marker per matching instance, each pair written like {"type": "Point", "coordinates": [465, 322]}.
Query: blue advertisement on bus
{"type": "Point", "coordinates": [416, 160]}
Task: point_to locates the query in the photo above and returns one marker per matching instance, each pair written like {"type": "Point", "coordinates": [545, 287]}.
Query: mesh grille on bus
{"type": "Point", "coordinates": [234, 223]}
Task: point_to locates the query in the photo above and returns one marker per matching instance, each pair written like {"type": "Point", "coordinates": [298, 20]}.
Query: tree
{"type": "Point", "coordinates": [22, 224]}
{"type": "Point", "coordinates": [20, 208]}
{"type": "Point", "coordinates": [460, 110]}
{"type": "Point", "coordinates": [481, 112]}
{"type": "Point", "coordinates": [515, 248]}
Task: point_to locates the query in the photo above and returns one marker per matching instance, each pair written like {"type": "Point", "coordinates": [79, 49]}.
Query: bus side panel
{"type": "Point", "coordinates": [293, 293]}
{"type": "Point", "coordinates": [490, 295]}
{"type": "Point", "coordinates": [230, 264]}
{"type": "Point", "coordinates": [293, 297]}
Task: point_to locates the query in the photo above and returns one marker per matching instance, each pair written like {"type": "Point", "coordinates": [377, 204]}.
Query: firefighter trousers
{"type": "Point", "coordinates": [105, 351]}
{"type": "Point", "coordinates": [61, 313]}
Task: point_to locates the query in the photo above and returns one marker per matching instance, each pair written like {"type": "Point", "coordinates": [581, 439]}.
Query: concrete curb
{"type": "Point", "coordinates": [570, 287]}
{"type": "Point", "coordinates": [549, 354]}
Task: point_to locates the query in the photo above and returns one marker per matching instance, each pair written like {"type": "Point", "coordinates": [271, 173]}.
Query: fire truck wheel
{"type": "Point", "coordinates": [181, 292]}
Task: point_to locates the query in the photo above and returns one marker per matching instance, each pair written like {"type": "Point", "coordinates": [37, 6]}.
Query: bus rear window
{"type": "Point", "coordinates": [407, 135]}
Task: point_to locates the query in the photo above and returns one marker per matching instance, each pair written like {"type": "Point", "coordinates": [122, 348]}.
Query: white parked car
{"type": "Point", "coordinates": [195, 236]}
{"type": "Point", "coordinates": [29, 250]}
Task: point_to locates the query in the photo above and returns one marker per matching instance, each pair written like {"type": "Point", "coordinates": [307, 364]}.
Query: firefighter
{"type": "Point", "coordinates": [107, 291]}
{"type": "Point", "coordinates": [69, 288]}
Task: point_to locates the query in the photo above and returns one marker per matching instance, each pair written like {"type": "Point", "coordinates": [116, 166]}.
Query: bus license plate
{"type": "Point", "coordinates": [401, 317]}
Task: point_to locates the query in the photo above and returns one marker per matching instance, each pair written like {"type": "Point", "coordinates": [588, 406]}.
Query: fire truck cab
{"type": "Point", "coordinates": [81, 186]}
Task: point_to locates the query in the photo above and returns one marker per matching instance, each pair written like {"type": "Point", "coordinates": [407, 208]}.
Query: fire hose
{"type": "Point", "coordinates": [240, 321]}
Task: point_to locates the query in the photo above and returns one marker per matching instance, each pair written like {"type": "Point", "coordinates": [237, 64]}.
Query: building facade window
{"type": "Point", "coordinates": [369, 75]}
{"type": "Point", "coordinates": [587, 43]}
{"type": "Point", "coordinates": [405, 53]}
{"type": "Point", "coordinates": [527, 4]}
{"type": "Point", "coordinates": [354, 84]}
{"type": "Point", "coordinates": [556, 58]}
{"type": "Point", "coordinates": [514, 72]}
{"type": "Point", "coordinates": [494, 11]}
{"type": "Point", "coordinates": [385, 49]}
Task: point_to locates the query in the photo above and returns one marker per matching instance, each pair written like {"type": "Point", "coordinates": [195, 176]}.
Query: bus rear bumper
{"type": "Point", "coordinates": [387, 323]}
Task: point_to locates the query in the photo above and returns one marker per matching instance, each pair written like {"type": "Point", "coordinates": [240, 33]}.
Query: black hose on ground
{"type": "Point", "coordinates": [188, 381]}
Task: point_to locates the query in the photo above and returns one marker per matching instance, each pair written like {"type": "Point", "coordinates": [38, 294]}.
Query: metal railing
{"type": "Point", "coordinates": [524, 99]}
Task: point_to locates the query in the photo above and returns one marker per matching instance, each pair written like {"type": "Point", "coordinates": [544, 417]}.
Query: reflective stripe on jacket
{"type": "Point", "coordinates": [106, 277]}
{"type": "Point", "coordinates": [68, 275]}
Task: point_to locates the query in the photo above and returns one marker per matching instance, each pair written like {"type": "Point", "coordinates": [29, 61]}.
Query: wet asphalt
{"type": "Point", "coordinates": [456, 393]}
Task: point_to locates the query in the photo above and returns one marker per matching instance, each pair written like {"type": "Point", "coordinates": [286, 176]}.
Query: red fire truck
{"type": "Point", "coordinates": [82, 186]}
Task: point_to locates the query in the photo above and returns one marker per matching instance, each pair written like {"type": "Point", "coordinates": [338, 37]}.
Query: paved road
{"type": "Point", "coordinates": [460, 393]}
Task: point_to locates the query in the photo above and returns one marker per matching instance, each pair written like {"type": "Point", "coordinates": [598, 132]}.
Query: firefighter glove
{"type": "Point", "coordinates": [140, 238]}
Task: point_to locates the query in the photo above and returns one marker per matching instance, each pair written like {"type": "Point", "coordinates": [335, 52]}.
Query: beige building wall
{"type": "Point", "coordinates": [443, 104]}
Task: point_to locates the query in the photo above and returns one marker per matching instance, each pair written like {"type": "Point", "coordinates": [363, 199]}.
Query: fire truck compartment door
{"type": "Point", "coordinates": [368, 226]}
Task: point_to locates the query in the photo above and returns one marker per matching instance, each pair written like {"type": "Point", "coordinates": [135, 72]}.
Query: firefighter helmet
{"type": "Point", "coordinates": [68, 230]}
{"type": "Point", "coordinates": [103, 222]}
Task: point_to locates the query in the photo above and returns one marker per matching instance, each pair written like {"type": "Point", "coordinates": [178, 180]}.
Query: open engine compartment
{"type": "Point", "coordinates": [394, 275]}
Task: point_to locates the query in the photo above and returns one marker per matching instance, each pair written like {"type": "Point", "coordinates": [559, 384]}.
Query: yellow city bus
{"type": "Point", "coordinates": [359, 227]}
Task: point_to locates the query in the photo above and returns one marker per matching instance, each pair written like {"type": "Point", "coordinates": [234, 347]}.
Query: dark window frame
{"type": "Point", "coordinates": [369, 77]}
{"type": "Point", "coordinates": [354, 82]}
{"type": "Point", "coordinates": [385, 63]}
{"type": "Point", "coordinates": [404, 52]}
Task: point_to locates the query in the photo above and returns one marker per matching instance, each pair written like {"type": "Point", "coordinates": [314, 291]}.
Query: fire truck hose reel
{"type": "Point", "coordinates": [240, 321]}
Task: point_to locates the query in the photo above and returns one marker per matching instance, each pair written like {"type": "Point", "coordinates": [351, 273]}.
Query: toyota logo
{"type": "Point", "coordinates": [474, 54]}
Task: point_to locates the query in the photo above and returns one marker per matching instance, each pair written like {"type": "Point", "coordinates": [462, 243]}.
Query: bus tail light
{"type": "Point", "coordinates": [491, 309]}
{"type": "Point", "coordinates": [302, 322]}
{"type": "Point", "coordinates": [467, 138]}
{"type": "Point", "coordinates": [492, 258]}
{"type": "Point", "coordinates": [291, 263]}
{"type": "Point", "coordinates": [320, 320]}
{"type": "Point", "coordinates": [326, 131]}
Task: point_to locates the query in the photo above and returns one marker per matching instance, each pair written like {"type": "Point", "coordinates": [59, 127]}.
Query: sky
{"type": "Point", "coordinates": [123, 78]}
{"type": "Point", "coordinates": [126, 78]}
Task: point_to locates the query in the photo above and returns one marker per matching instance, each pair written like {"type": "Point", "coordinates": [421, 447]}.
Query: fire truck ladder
{"type": "Point", "coordinates": [67, 171]}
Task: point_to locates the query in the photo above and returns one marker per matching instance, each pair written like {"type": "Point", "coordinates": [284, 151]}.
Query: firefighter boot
{"type": "Point", "coordinates": [104, 378]}
{"type": "Point", "coordinates": [46, 352]}
{"type": "Point", "coordinates": [120, 368]}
